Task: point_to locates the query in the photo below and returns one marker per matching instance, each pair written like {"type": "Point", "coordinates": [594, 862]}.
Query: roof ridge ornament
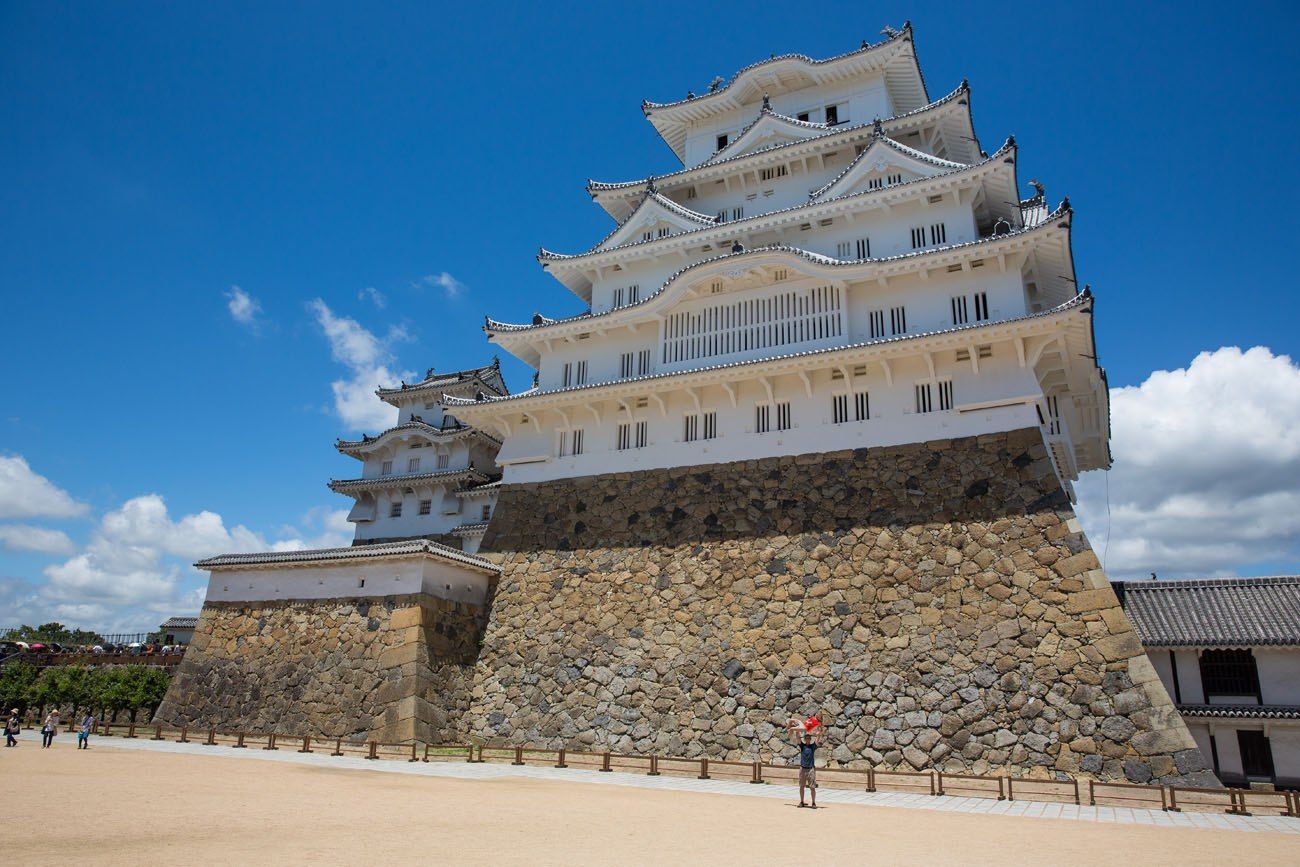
{"type": "Point", "coordinates": [767, 103]}
{"type": "Point", "coordinates": [715, 84]}
{"type": "Point", "coordinates": [877, 129]}
{"type": "Point", "coordinates": [1039, 190]}
{"type": "Point", "coordinates": [737, 247]}
{"type": "Point", "coordinates": [650, 187]}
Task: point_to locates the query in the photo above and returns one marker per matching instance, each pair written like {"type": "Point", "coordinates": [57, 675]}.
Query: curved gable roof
{"type": "Point", "coordinates": [767, 125]}
{"type": "Point", "coordinates": [896, 153]}
{"type": "Point", "coordinates": [654, 208]}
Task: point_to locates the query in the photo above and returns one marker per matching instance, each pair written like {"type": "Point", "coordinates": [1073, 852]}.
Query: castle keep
{"type": "Point", "coordinates": [811, 445]}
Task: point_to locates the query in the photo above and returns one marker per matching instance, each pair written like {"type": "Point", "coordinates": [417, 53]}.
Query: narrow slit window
{"type": "Point", "coordinates": [876, 319]}
{"type": "Point", "coordinates": [839, 408]}
{"type": "Point", "coordinates": [625, 365]}
{"type": "Point", "coordinates": [722, 141]}
{"type": "Point", "coordinates": [624, 441]}
{"type": "Point", "coordinates": [945, 395]}
{"type": "Point", "coordinates": [386, 468]}
{"type": "Point", "coordinates": [444, 461]}
{"type": "Point", "coordinates": [395, 509]}
{"type": "Point", "coordinates": [641, 434]}
{"type": "Point", "coordinates": [959, 311]}
{"type": "Point", "coordinates": [412, 465]}
{"type": "Point", "coordinates": [567, 379]}
{"type": "Point", "coordinates": [426, 506]}
{"type": "Point", "coordinates": [938, 233]}
{"type": "Point", "coordinates": [762, 418]}
{"type": "Point", "coordinates": [981, 306]}
{"type": "Point", "coordinates": [578, 437]}
{"type": "Point", "coordinates": [692, 429]}
{"type": "Point", "coordinates": [918, 237]}
{"type": "Point", "coordinates": [864, 248]}
{"type": "Point", "coordinates": [710, 425]}
{"type": "Point", "coordinates": [783, 416]}
{"type": "Point", "coordinates": [582, 373]}
{"type": "Point", "coordinates": [924, 397]}
{"type": "Point", "coordinates": [898, 320]}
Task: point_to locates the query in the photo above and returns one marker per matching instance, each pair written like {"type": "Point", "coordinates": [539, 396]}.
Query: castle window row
{"type": "Point", "coordinates": [574, 373]}
{"type": "Point", "coordinates": [632, 294]}
{"type": "Point", "coordinates": [861, 248]}
{"type": "Point", "coordinates": [757, 323]}
{"type": "Point", "coordinates": [768, 417]}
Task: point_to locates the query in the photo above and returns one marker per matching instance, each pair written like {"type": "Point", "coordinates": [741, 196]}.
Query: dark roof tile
{"type": "Point", "coordinates": [1216, 612]}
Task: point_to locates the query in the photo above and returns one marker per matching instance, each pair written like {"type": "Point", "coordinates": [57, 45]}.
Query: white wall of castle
{"type": "Point", "coordinates": [860, 101]}
{"type": "Point", "coordinates": [362, 578]}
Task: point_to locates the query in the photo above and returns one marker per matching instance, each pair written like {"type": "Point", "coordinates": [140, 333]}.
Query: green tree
{"type": "Point", "coordinates": [147, 686]}
{"type": "Point", "coordinates": [52, 631]}
{"type": "Point", "coordinates": [16, 682]}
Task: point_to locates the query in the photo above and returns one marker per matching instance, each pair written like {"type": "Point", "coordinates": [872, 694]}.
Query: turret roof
{"type": "Point", "coordinates": [342, 486]}
{"type": "Point", "coordinates": [317, 556]}
{"type": "Point", "coordinates": [671, 118]}
{"type": "Point", "coordinates": [488, 376]}
{"type": "Point", "coordinates": [417, 426]}
{"type": "Point", "coordinates": [878, 141]}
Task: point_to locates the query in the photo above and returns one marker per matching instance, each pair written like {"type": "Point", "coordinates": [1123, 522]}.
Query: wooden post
{"type": "Point", "coordinates": [940, 790]}
{"type": "Point", "coordinates": [704, 769]}
{"type": "Point", "coordinates": [130, 730]}
{"type": "Point", "coordinates": [470, 758]}
{"type": "Point", "coordinates": [480, 754]}
{"type": "Point", "coordinates": [239, 745]}
{"type": "Point", "coordinates": [1173, 800]}
{"type": "Point", "coordinates": [654, 766]}
{"type": "Point", "coordinates": [270, 742]}
{"type": "Point", "coordinates": [758, 772]}
{"type": "Point", "coordinates": [1011, 794]}
{"type": "Point", "coordinates": [605, 764]}
{"type": "Point", "coordinates": [1002, 797]}
{"type": "Point", "coordinates": [157, 734]}
{"type": "Point", "coordinates": [871, 778]}
{"type": "Point", "coordinates": [1092, 795]}
{"type": "Point", "coordinates": [426, 752]}
{"type": "Point", "coordinates": [306, 744]}
{"type": "Point", "coordinates": [413, 746]}
{"type": "Point", "coordinates": [560, 763]}
{"type": "Point", "coordinates": [519, 756]}
{"type": "Point", "coordinates": [1241, 803]}
{"type": "Point", "coordinates": [338, 747]}
{"type": "Point", "coordinates": [1076, 791]}
{"type": "Point", "coordinates": [1164, 803]}
{"type": "Point", "coordinates": [374, 751]}
{"type": "Point", "coordinates": [212, 737]}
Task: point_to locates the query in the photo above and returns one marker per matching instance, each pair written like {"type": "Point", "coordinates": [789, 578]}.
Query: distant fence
{"type": "Point", "coordinates": [46, 660]}
{"type": "Point", "coordinates": [7, 633]}
{"type": "Point", "coordinates": [1081, 792]}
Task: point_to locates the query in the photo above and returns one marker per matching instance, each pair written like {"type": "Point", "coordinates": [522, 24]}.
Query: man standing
{"type": "Point", "coordinates": [12, 727]}
{"type": "Point", "coordinates": [83, 733]}
{"type": "Point", "coordinates": [808, 738]}
{"type": "Point", "coordinates": [50, 729]}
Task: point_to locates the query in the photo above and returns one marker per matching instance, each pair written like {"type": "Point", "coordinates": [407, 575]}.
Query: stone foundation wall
{"type": "Point", "coordinates": [396, 668]}
{"type": "Point", "coordinates": [938, 601]}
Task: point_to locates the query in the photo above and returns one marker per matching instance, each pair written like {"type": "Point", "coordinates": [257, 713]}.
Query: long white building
{"type": "Point", "coordinates": [838, 264]}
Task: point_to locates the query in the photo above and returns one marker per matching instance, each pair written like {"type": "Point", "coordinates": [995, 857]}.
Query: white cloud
{"type": "Point", "coordinates": [374, 296]}
{"type": "Point", "coordinates": [40, 540]}
{"type": "Point", "coordinates": [1207, 469]}
{"type": "Point", "coordinates": [25, 494]}
{"type": "Point", "coordinates": [368, 359]}
{"type": "Point", "coordinates": [450, 286]}
{"type": "Point", "coordinates": [244, 308]}
{"type": "Point", "coordinates": [321, 528]}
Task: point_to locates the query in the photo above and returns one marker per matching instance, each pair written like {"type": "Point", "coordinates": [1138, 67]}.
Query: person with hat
{"type": "Point", "coordinates": [12, 727]}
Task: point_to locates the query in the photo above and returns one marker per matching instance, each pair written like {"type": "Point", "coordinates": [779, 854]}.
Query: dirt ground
{"type": "Point", "coordinates": [111, 806]}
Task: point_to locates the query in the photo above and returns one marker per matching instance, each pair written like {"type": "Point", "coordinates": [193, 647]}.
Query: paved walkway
{"type": "Point", "coordinates": [492, 770]}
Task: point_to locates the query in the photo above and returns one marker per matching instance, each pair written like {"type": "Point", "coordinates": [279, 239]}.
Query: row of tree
{"type": "Point", "coordinates": [105, 690]}
{"type": "Point", "coordinates": [51, 632]}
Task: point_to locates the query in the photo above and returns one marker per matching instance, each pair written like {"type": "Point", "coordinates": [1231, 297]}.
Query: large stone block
{"type": "Point", "coordinates": [938, 601]}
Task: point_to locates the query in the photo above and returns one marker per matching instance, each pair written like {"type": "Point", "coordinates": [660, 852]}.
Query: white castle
{"type": "Point", "coordinates": [838, 265]}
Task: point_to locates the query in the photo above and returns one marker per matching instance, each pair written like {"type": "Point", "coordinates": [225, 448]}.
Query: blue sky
{"type": "Point", "coordinates": [157, 155]}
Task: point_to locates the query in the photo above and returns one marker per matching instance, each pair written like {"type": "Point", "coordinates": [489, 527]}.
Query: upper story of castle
{"type": "Point", "coordinates": [838, 264]}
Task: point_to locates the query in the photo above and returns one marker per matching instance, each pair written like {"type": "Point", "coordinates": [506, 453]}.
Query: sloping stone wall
{"type": "Point", "coordinates": [396, 668]}
{"type": "Point", "coordinates": [938, 601]}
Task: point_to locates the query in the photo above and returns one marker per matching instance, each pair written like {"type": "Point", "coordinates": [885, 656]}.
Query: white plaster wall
{"type": "Point", "coordinates": [894, 421]}
{"type": "Point", "coordinates": [384, 577]}
{"type": "Point", "coordinates": [1285, 743]}
{"type": "Point", "coordinates": [1160, 662]}
{"type": "Point", "coordinates": [1279, 675]}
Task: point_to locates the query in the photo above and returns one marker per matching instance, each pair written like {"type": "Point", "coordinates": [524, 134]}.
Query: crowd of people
{"type": "Point", "coordinates": [49, 729]}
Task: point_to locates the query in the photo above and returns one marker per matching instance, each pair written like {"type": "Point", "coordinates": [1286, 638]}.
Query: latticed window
{"type": "Point", "coordinates": [1229, 672]}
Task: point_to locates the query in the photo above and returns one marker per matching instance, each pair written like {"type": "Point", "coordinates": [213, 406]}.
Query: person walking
{"type": "Point", "coordinates": [13, 726]}
{"type": "Point", "coordinates": [809, 737]}
{"type": "Point", "coordinates": [50, 729]}
{"type": "Point", "coordinates": [83, 733]}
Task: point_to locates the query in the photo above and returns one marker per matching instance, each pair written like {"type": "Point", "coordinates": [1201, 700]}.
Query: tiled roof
{"type": "Point", "coordinates": [412, 547]}
{"type": "Point", "coordinates": [338, 486]}
{"type": "Point", "coordinates": [732, 227]}
{"type": "Point", "coordinates": [1241, 711]}
{"type": "Point", "coordinates": [1082, 300]}
{"type": "Point", "coordinates": [594, 186]}
{"type": "Point", "coordinates": [416, 425]}
{"type": "Point", "coordinates": [906, 34]}
{"type": "Point", "coordinates": [1216, 612]}
{"type": "Point", "coordinates": [493, 326]}
{"type": "Point", "coordinates": [443, 380]}
{"type": "Point", "coordinates": [899, 147]}
{"type": "Point", "coordinates": [475, 529]}
{"type": "Point", "coordinates": [180, 623]}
